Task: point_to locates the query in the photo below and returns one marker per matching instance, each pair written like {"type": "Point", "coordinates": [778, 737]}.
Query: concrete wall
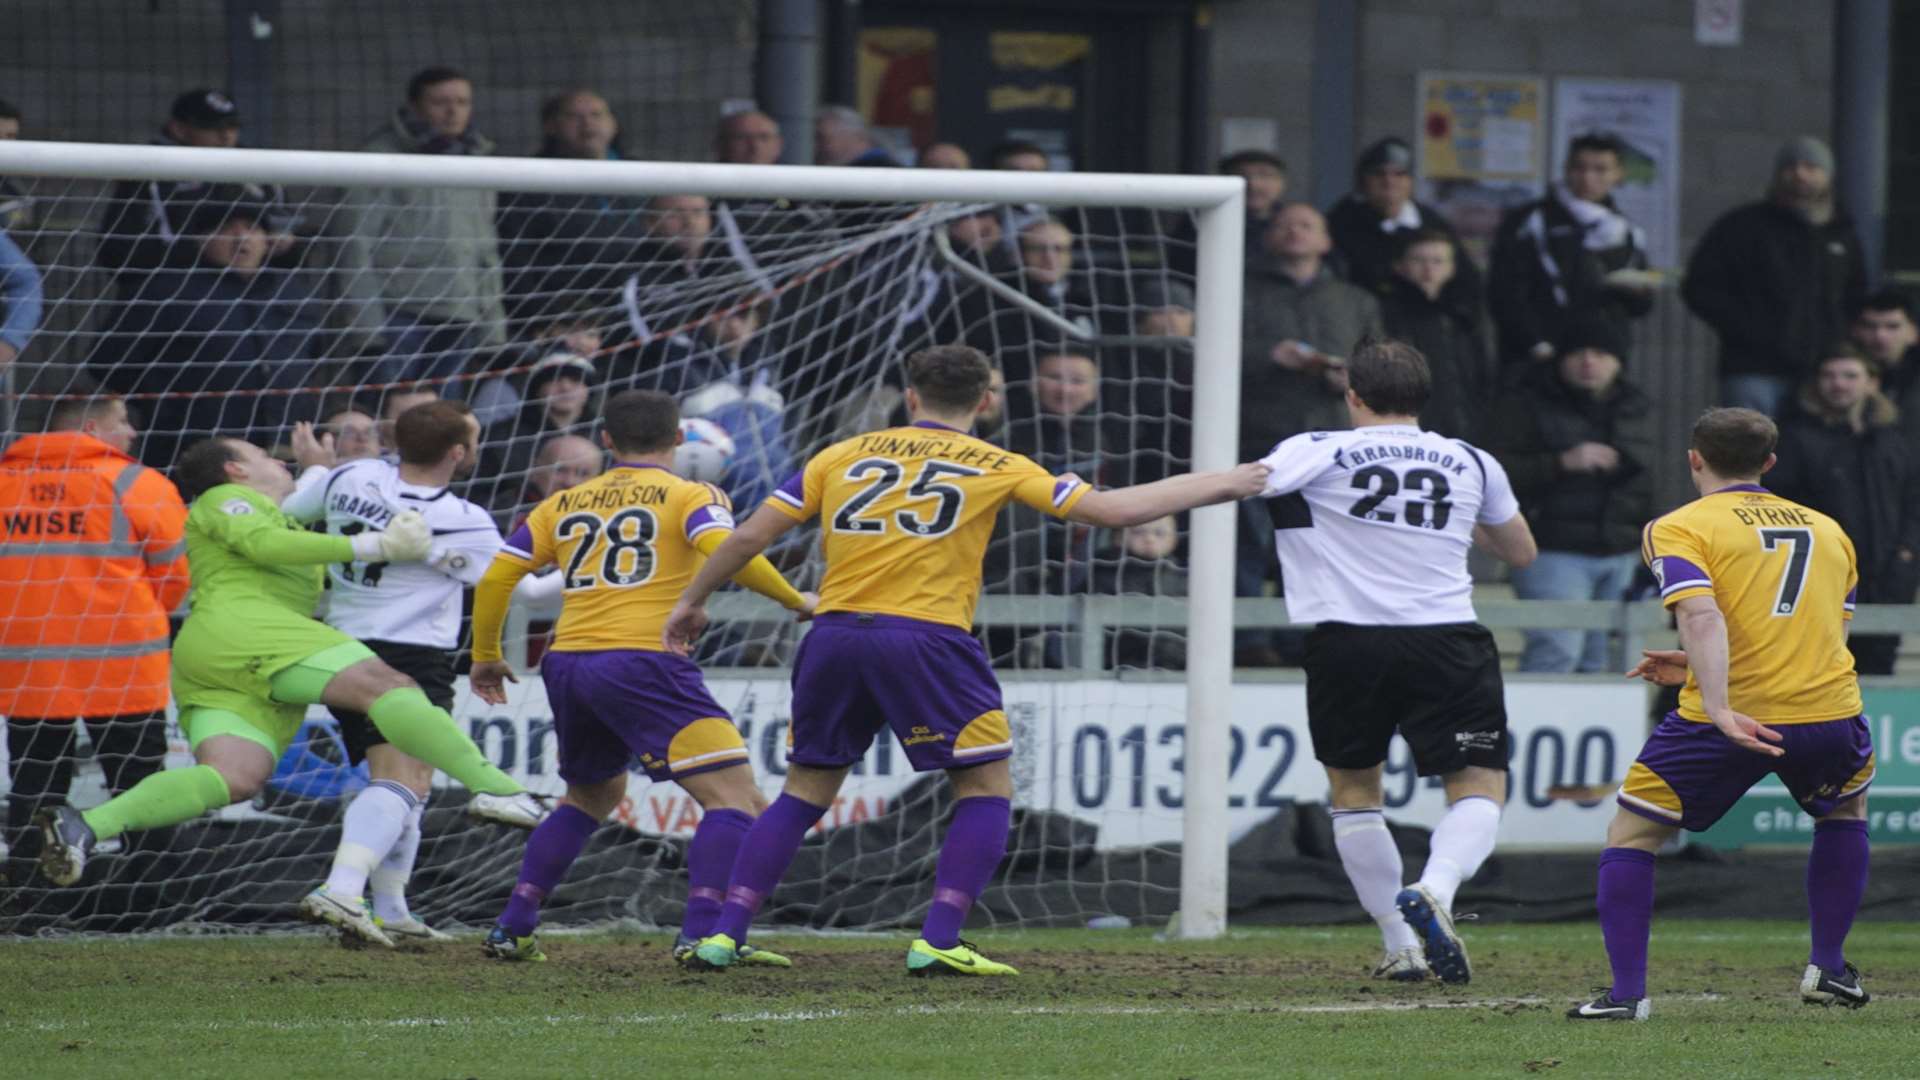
{"type": "Point", "coordinates": [1739, 102]}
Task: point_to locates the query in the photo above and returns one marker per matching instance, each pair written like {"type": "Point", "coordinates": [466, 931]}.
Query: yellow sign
{"type": "Point", "coordinates": [1481, 127]}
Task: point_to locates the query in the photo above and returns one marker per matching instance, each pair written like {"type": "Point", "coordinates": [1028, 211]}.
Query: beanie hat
{"type": "Point", "coordinates": [1592, 331]}
{"type": "Point", "coordinates": [1803, 150]}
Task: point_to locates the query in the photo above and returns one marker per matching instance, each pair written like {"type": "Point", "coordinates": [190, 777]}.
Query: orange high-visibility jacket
{"type": "Point", "coordinates": [92, 558]}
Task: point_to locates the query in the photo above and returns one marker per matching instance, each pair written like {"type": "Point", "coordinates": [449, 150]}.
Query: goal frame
{"type": "Point", "coordinates": [1219, 203]}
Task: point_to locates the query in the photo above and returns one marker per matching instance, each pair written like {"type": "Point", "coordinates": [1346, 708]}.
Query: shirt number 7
{"type": "Point", "coordinates": [1799, 547]}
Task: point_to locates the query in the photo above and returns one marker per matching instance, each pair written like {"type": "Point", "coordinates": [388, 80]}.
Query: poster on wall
{"type": "Point", "coordinates": [1644, 114]}
{"type": "Point", "coordinates": [1036, 87]}
{"type": "Point", "coordinates": [897, 65]}
{"type": "Point", "coordinates": [1482, 148]}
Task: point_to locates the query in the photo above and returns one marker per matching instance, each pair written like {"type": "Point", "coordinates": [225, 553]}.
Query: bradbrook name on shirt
{"type": "Point", "coordinates": [959, 453]}
{"type": "Point", "coordinates": [1353, 457]}
{"type": "Point", "coordinates": [608, 498]}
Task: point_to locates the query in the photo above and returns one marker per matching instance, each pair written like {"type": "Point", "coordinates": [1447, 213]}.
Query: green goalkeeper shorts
{"type": "Point", "coordinates": [251, 672]}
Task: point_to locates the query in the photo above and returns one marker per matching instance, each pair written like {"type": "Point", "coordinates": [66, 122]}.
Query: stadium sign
{"type": "Point", "coordinates": [1111, 753]}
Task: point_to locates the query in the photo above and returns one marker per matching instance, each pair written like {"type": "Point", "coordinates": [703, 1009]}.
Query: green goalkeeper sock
{"type": "Point", "coordinates": [165, 798]}
{"type": "Point", "coordinates": [419, 728]}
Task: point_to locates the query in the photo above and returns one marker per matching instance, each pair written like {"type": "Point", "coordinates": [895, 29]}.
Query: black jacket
{"type": "Point", "coordinates": [560, 251]}
{"type": "Point", "coordinates": [1520, 288]}
{"type": "Point", "coordinates": [1116, 573]}
{"type": "Point", "coordinates": [1325, 313]}
{"type": "Point", "coordinates": [1775, 287]}
{"type": "Point", "coordinates": [144, 218]}
{"type": "Point", "coordinates": [1588, 513]}
{"type": "Point", "coordinates": [1868, 481]}
{"type": "Point", "coordinates": [1366, 251]}
{"type": "Point", "coordinates": [1454, 341]}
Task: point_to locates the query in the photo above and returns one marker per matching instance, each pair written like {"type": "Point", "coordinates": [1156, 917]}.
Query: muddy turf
{"type": "Point", "coordinates": [1263, 1003]}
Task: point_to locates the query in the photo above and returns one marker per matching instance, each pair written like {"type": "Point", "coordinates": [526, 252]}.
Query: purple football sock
{"type": "Point", "coordinates": [976, 842]}
{"type": "Point", "coordinates": [1836, 879]}
{"type": "Point", "coordinates": [709, 860]}
{"type": "Point", "coordinates": [555, 843]}
{"type": "Point", "coordinates": [1626, 917]}
{"type": "Point", "coordinates": [764, 856]}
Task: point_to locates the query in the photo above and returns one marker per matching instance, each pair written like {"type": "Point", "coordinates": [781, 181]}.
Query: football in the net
{"type": "Point", "coordinates": [705, 453]}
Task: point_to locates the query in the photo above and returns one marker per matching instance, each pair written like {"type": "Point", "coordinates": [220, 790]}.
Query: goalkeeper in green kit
{"type": "Point", "coordinates": [250, 659]}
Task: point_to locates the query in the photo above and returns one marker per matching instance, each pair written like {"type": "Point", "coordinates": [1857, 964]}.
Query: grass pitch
{"type": "Point", "coordinates": [1263, 1003]}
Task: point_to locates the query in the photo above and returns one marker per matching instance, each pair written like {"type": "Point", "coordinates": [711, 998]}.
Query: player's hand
{"type": "Point", "coordinates": [310, 450]}
{"type": "Point", "coordinates": [684, 626]}
{"type": "Point", "coordinates": [406, 538]}
{"type": "Point", "coordinates": [1248, 479]}
{"type": "Point", "coordinates": [1662, 667]}
{"type": "Point", "coordinates": [489, 678]}
{"type": "Point", "coordinates": [808, 601]}
{"type": "Point", "coordinates": [1747, 733]}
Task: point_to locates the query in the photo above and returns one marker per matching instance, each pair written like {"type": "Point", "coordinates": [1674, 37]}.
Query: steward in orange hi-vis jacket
{"type": "Point", "coordinates": [92, 560]}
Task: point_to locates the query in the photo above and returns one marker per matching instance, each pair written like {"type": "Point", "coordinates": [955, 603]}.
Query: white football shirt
{"type": "Point", "coordinates": [1373, 525]}
{"type": "Point", "coordinates": [411, 603]}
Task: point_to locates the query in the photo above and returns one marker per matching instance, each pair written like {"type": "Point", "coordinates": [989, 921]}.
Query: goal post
{"type": "Point", "coordinates": [1217, 204]}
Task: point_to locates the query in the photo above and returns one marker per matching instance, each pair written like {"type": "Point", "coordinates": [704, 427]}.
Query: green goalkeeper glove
{"type": "Point", "coordinates": [405, 539]}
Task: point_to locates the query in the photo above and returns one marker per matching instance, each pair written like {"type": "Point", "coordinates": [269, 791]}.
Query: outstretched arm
{"type": "Point", "coordinates": [689, 616]}
{"type": "Point", "coordinates": [1121, 507]}
{"type": "Point", "coordinates": [262, 539]}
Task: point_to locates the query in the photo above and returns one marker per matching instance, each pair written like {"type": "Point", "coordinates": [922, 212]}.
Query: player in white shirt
{"type": "Point", "coordinates": [409, 615]}
{"type": "Point", "coordinates": [1373, 527]}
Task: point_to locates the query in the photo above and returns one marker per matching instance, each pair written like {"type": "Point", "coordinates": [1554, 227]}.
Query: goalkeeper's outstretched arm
{"type": "Point", "coordinates": [259, 539]}
{"type": "Point", "coordinates": [1121, 507]}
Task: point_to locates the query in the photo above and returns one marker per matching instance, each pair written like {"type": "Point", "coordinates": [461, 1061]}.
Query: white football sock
{"type": "Point", "coordinates": [391, 876]}
{"type": "Point", "coordinates": [1461, 842]}
{"type": "Point", "coordinates": [374, 820]}
{"type": "Point", "coordinates": [1372, 862]}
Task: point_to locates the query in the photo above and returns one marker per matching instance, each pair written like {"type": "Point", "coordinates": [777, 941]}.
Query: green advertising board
{"type": "Point", "coordinates": [1768, 815]}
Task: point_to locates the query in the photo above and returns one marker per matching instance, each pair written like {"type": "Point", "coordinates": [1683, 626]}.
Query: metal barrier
{"type": "Point", "coordinates": [1085, 620]}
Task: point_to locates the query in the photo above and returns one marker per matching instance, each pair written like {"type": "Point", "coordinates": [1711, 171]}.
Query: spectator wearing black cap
{"type": "Point", "coordinates": [1418, 310]}
{"type": "Point", "coordinates": [1568, 255]}
{"type": "Point", "coordinates": [144, 218]}
{"type": "Point", "coordinates": [1576, 439]}
{"type": "Point", "coordinates": [560, 399]}
{"type": "Point", "coordinates": [1266, 177]}
{"type": "Point", "coordinates": [219, 330]}
{"type": "Point", "coordinates": [1777, 279]}
{"type": "Point", "coordinates": [423, 264]}
{"type": "Point", "coordinates": [1841, 452]}
{"type": "Point", "coordinates": [1381, 204]}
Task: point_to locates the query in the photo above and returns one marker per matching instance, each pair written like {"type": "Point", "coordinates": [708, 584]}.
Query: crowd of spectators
{"type": "Point", "coordinates": [249, 311]}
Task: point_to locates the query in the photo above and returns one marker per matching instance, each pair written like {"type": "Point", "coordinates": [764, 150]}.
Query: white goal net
{"type": "Point", "coordinates": [238, 293]}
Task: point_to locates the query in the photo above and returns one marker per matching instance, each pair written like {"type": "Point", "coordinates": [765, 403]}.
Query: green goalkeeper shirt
{"type": "Point", "coordinates": [244, 552]}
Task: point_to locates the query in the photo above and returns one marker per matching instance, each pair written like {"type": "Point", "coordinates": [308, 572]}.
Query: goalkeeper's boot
{"type": "Point", "coordinates": [1605, 1008]}
{"type": "Point", "coordinates": [1446, 954]}
{"type": "Point", "coordinates": [522, 811]}
{"type": "Point", "coordinates": [504, 946]}
{"type": "Point", "coordinates": [750, 955]}
{"type": "Point", "coordinates": [1823, 986]}
{"type": "Point", "coordinates": [1407, 965]}
{"type": "Point", "coordinates": [410, 931]}
{"type": "Point", "coordinates": [350, 917]}
{"type": "Point", "coordinates": [65, 843]}
{"type": "Point", "coordinates": [963, 959]}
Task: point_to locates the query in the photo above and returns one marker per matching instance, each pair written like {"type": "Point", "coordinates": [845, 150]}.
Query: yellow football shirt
{"type": "Point", "coordinates": [625, 543]}
{"type": "Point", "coordinates": [1784, 579]}
{"type": "Point", "coordinates": [906, 514]}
